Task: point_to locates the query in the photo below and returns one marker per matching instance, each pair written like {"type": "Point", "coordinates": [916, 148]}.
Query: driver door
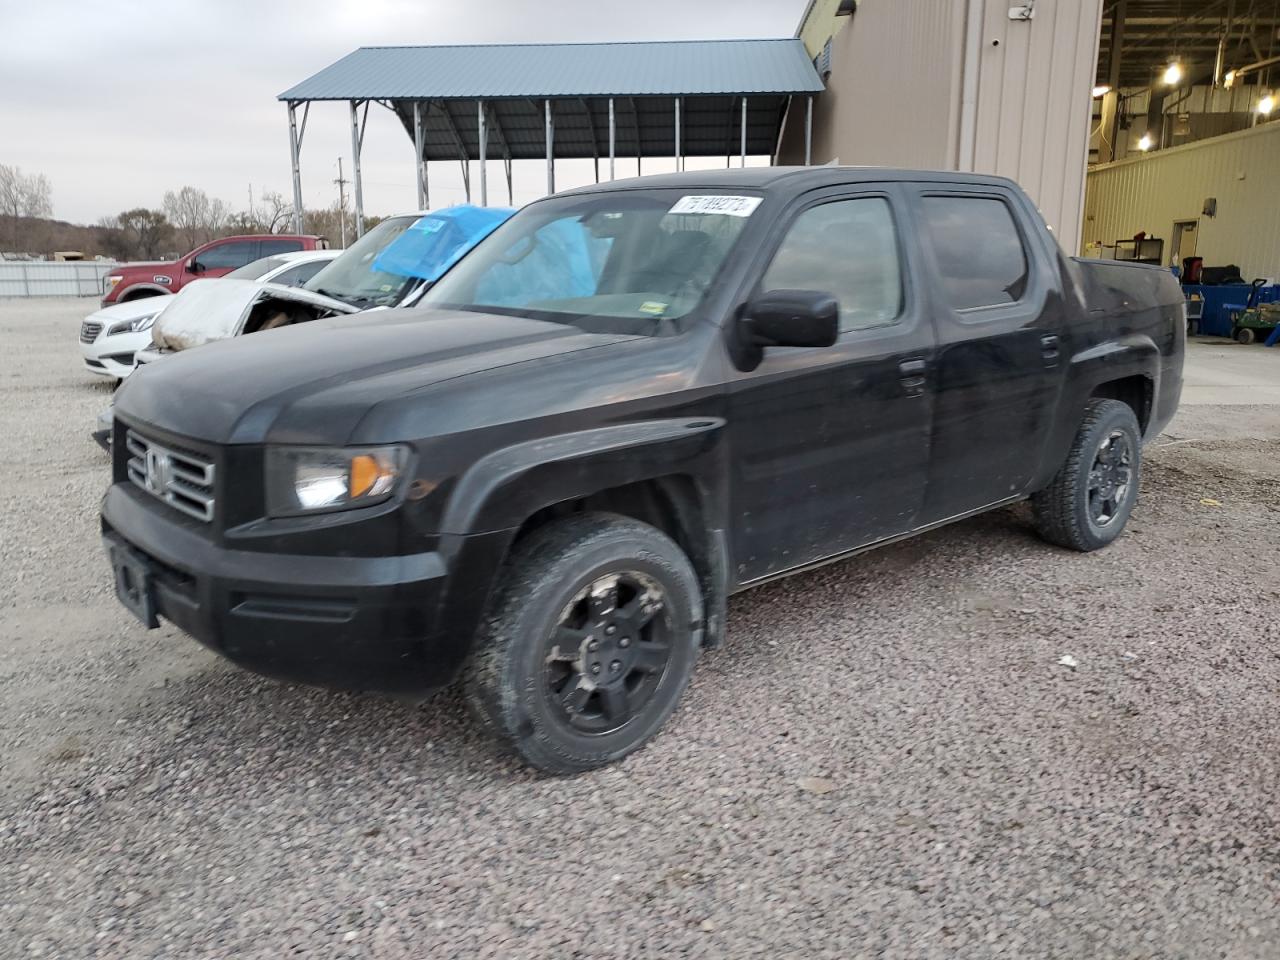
{"type": "Point", "coordinates": [830, 446]}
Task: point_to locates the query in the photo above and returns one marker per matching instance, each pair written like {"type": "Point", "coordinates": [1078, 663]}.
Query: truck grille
{"type": "Point", "coordinates": [182, 479]}
{"type": "Point", "coordinates": [89, 331]}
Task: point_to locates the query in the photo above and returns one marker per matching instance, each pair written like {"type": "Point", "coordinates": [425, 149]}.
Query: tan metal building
{"type": "Point", "coordinates": [1167, 193]}
{"type": "Point", "coordinates": [984, 85]}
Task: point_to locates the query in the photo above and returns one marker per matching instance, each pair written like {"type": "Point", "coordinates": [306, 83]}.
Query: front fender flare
{"type": "Point", "coordinates": [503, 489]}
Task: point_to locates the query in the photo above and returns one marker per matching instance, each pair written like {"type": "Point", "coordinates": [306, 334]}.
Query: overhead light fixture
{"type": "Point", "coordinates": [1229, 80]}
{"type": "Point", "coordinates": [1173, 73]}
{"type": "Point", "coordinates": [1266, 104]}
{"type": "Point", "coordinates": [1101, 90]}
{"type": "Point", "coordinates": [1145, 143]}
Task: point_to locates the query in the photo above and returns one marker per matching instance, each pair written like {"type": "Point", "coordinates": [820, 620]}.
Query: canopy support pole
{"type": "Point", "coordinates": [551, 148]}
{"type": "Point", "coordinates": [679, 164]}
{"type": "Point", "coordinates": [295, 148]}
{"type": "Point", "coordinates": [742, 128]}
{"type": "Point", "coordinates": [421, 165]}
{"type": "Point", "coordinates": [357, 141]}
{"type": "Point", "coordinates": [613, 137]}
{"type": "Point", "coordinates": [808, 131]}
{"type": "Point", "coordinates": [484, 153]}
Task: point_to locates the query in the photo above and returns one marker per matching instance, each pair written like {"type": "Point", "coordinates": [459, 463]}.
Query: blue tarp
{"type": "Point", "coordinates": [562, 261]}
{"type": "Point", "coordinates": [438, 240]}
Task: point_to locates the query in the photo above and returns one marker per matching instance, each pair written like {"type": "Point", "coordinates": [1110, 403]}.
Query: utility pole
{"type": "Point", "coordinates": [342, 203]}
{"type": "Point", "coordinates": [251, 200]}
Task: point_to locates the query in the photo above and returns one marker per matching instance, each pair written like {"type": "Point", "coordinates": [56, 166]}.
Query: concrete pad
{"type": "Point", "coordinates": [1223, 372]}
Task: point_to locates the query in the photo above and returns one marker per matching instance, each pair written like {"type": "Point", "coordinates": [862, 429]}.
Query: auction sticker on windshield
{"type": "Point", "coordinates": [717, 203]}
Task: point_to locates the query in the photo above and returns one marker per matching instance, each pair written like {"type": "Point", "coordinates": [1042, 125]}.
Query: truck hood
{"type": "Point", "coordinates": [204, 311]}
{"type": "Point", "coordinates": [315, 382]}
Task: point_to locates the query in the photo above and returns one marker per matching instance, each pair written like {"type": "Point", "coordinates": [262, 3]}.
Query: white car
{"type": "Point", "coordinates": [111, 337]}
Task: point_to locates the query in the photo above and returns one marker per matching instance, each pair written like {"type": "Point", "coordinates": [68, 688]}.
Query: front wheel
{"type": "Point", "coordinates": [1245, 335]}
{"type": "Point", "coordinates": [1088, 502]}
{"type": "Point", "coordinates": [589, 644]}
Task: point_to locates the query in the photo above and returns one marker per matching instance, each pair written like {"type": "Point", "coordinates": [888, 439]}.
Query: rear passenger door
{"type": "Point", "coordinates": [998, 317]}
{"type": "Point", "coordinates": [830, 445]}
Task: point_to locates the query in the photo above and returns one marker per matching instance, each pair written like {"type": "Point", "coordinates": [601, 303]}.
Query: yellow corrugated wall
{"type": "Point", "coordinates": [1240, 170]}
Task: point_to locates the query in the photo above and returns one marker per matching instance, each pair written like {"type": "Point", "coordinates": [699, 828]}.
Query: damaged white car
{"type": "Point", "coordinates": [390, 266]}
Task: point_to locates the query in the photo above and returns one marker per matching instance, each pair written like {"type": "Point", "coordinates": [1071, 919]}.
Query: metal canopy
{"type": "Point", "coordinates": [599, 101]}
{"type": "Point", "coordinates": [710, 127]}
{"type": "Point", "coordinates": [493, 71]}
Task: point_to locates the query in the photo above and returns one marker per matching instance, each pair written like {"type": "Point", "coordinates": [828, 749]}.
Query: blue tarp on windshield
{"type": "Point", "coordinates": [438, 240]}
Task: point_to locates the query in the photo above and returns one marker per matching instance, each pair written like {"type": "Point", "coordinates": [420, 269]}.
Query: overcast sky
{"type": "Point", "coordinates": [118, 102]}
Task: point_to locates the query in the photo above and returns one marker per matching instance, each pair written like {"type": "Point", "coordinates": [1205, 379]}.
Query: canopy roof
{"type": "Point", "coordinates": [494, 71]}
{"type": "Point", "coordinates": [711, 77]}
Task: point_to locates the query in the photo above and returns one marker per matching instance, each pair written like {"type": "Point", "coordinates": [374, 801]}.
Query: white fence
{"type": "Point", "coordinates": [36, 278]}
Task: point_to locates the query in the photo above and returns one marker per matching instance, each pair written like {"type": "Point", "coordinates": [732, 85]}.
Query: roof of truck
{"type": "Point", "coordinates": [764, 178]}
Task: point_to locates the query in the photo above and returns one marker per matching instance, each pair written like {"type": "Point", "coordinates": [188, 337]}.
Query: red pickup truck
{"type": "Point", "coordinates": [217, 257]}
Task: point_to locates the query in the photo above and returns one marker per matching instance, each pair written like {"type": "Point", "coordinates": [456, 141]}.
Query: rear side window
{"type": "Point", "coordinates": [229, 255]}
{"type": "Point", "coordinates": [979, 253]}
{"type": "Point", "coordinates": [271, 247]}
{"type": "Point", "coordinates": [849, 249]}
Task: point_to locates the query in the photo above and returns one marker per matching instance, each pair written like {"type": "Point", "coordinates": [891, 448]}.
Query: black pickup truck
{"type": "Point", "coordinates": [629, 402]}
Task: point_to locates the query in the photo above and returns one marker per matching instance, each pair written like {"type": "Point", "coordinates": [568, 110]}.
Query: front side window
{"type": "Point", "coordinates": [229, 255]}
{"type": "Point", "coordinates": [978, 250]}
{"type": "Point", "coordinates": [632, 261]}
{"type": "Point", "coordinates": [849, 249]}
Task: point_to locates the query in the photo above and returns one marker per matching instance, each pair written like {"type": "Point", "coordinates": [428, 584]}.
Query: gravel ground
{"type": "Point", "coordinates": [887, 758]}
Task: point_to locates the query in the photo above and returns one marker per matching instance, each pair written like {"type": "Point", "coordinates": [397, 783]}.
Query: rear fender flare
{"type": "Point", "coordinates": [1127, 356]}
{"type": "Point", "coordinates": [1124, 356]}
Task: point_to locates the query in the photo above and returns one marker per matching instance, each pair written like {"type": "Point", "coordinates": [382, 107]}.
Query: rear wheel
{"type": "Point", "coordinates": [1088, 502]}
{"type": "Point", "coordinates": [589, 644]}
{"type": "Point", "coordinates": [1245, 335]}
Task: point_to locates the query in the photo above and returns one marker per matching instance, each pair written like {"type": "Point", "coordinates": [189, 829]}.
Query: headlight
{"type": "Point", "coordinates": [313, 479]}
{"type": "Point", "coordinates": [113, 280]}
{"type": "Point", "coordinates": [133, 326]}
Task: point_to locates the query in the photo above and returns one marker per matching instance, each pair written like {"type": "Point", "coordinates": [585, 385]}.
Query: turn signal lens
{"type": "Point", "coordinates": [371, 476]}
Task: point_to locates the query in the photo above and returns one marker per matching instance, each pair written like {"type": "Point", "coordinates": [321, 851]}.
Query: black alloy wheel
{"type": "Point", "coordinates": [606, 656]}
{"type": "Point", "coordinates": [589, 643]}
{"type": "Point", "coordinates": [1087, 503]}
{"type": "Point", "coordinates": [1109, 478]}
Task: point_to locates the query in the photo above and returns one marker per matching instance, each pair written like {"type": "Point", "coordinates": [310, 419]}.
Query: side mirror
{"type": "Point", "coordinates": [792, 318]}
{"type": "Point", "coordinates": [195, 266]}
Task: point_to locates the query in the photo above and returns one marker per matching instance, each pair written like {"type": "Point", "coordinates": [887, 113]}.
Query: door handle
{"type": "Point", "coordinates": [1049, 350]}
{"type": "Point", "coordinates": [913, 375]}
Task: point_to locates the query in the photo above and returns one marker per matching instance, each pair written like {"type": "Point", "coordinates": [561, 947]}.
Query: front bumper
{"type": "Point", "coordinates": [112, 355]}
{"type": "Point", "coordinates": [355, 623]}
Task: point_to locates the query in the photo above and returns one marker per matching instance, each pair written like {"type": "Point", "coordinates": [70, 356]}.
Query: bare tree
{"type": "Point", "coordinates": [143, 232]}
{"type": "Point", "coordinates": [276, 213]}
{"type": "Point", "coordinates": [195, 217]}
{"type": "Point", "coordinates": [23, 195]}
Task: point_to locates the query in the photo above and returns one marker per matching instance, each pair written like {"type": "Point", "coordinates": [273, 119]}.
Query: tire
{"type": "Point", "coordinates": [556, 648]}
{"type": "Point", "coordinates": [1245, 335]}
{"type": "Point", "coordinates": [1088, 502]}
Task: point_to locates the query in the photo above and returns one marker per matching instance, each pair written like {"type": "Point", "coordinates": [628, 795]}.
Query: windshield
{"type": "Point", "coordinates": [351, 276]}
{"type": "Point", "coordinates": [632, 262]}
{"type": "Point", "coordinates": [257, 269]}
